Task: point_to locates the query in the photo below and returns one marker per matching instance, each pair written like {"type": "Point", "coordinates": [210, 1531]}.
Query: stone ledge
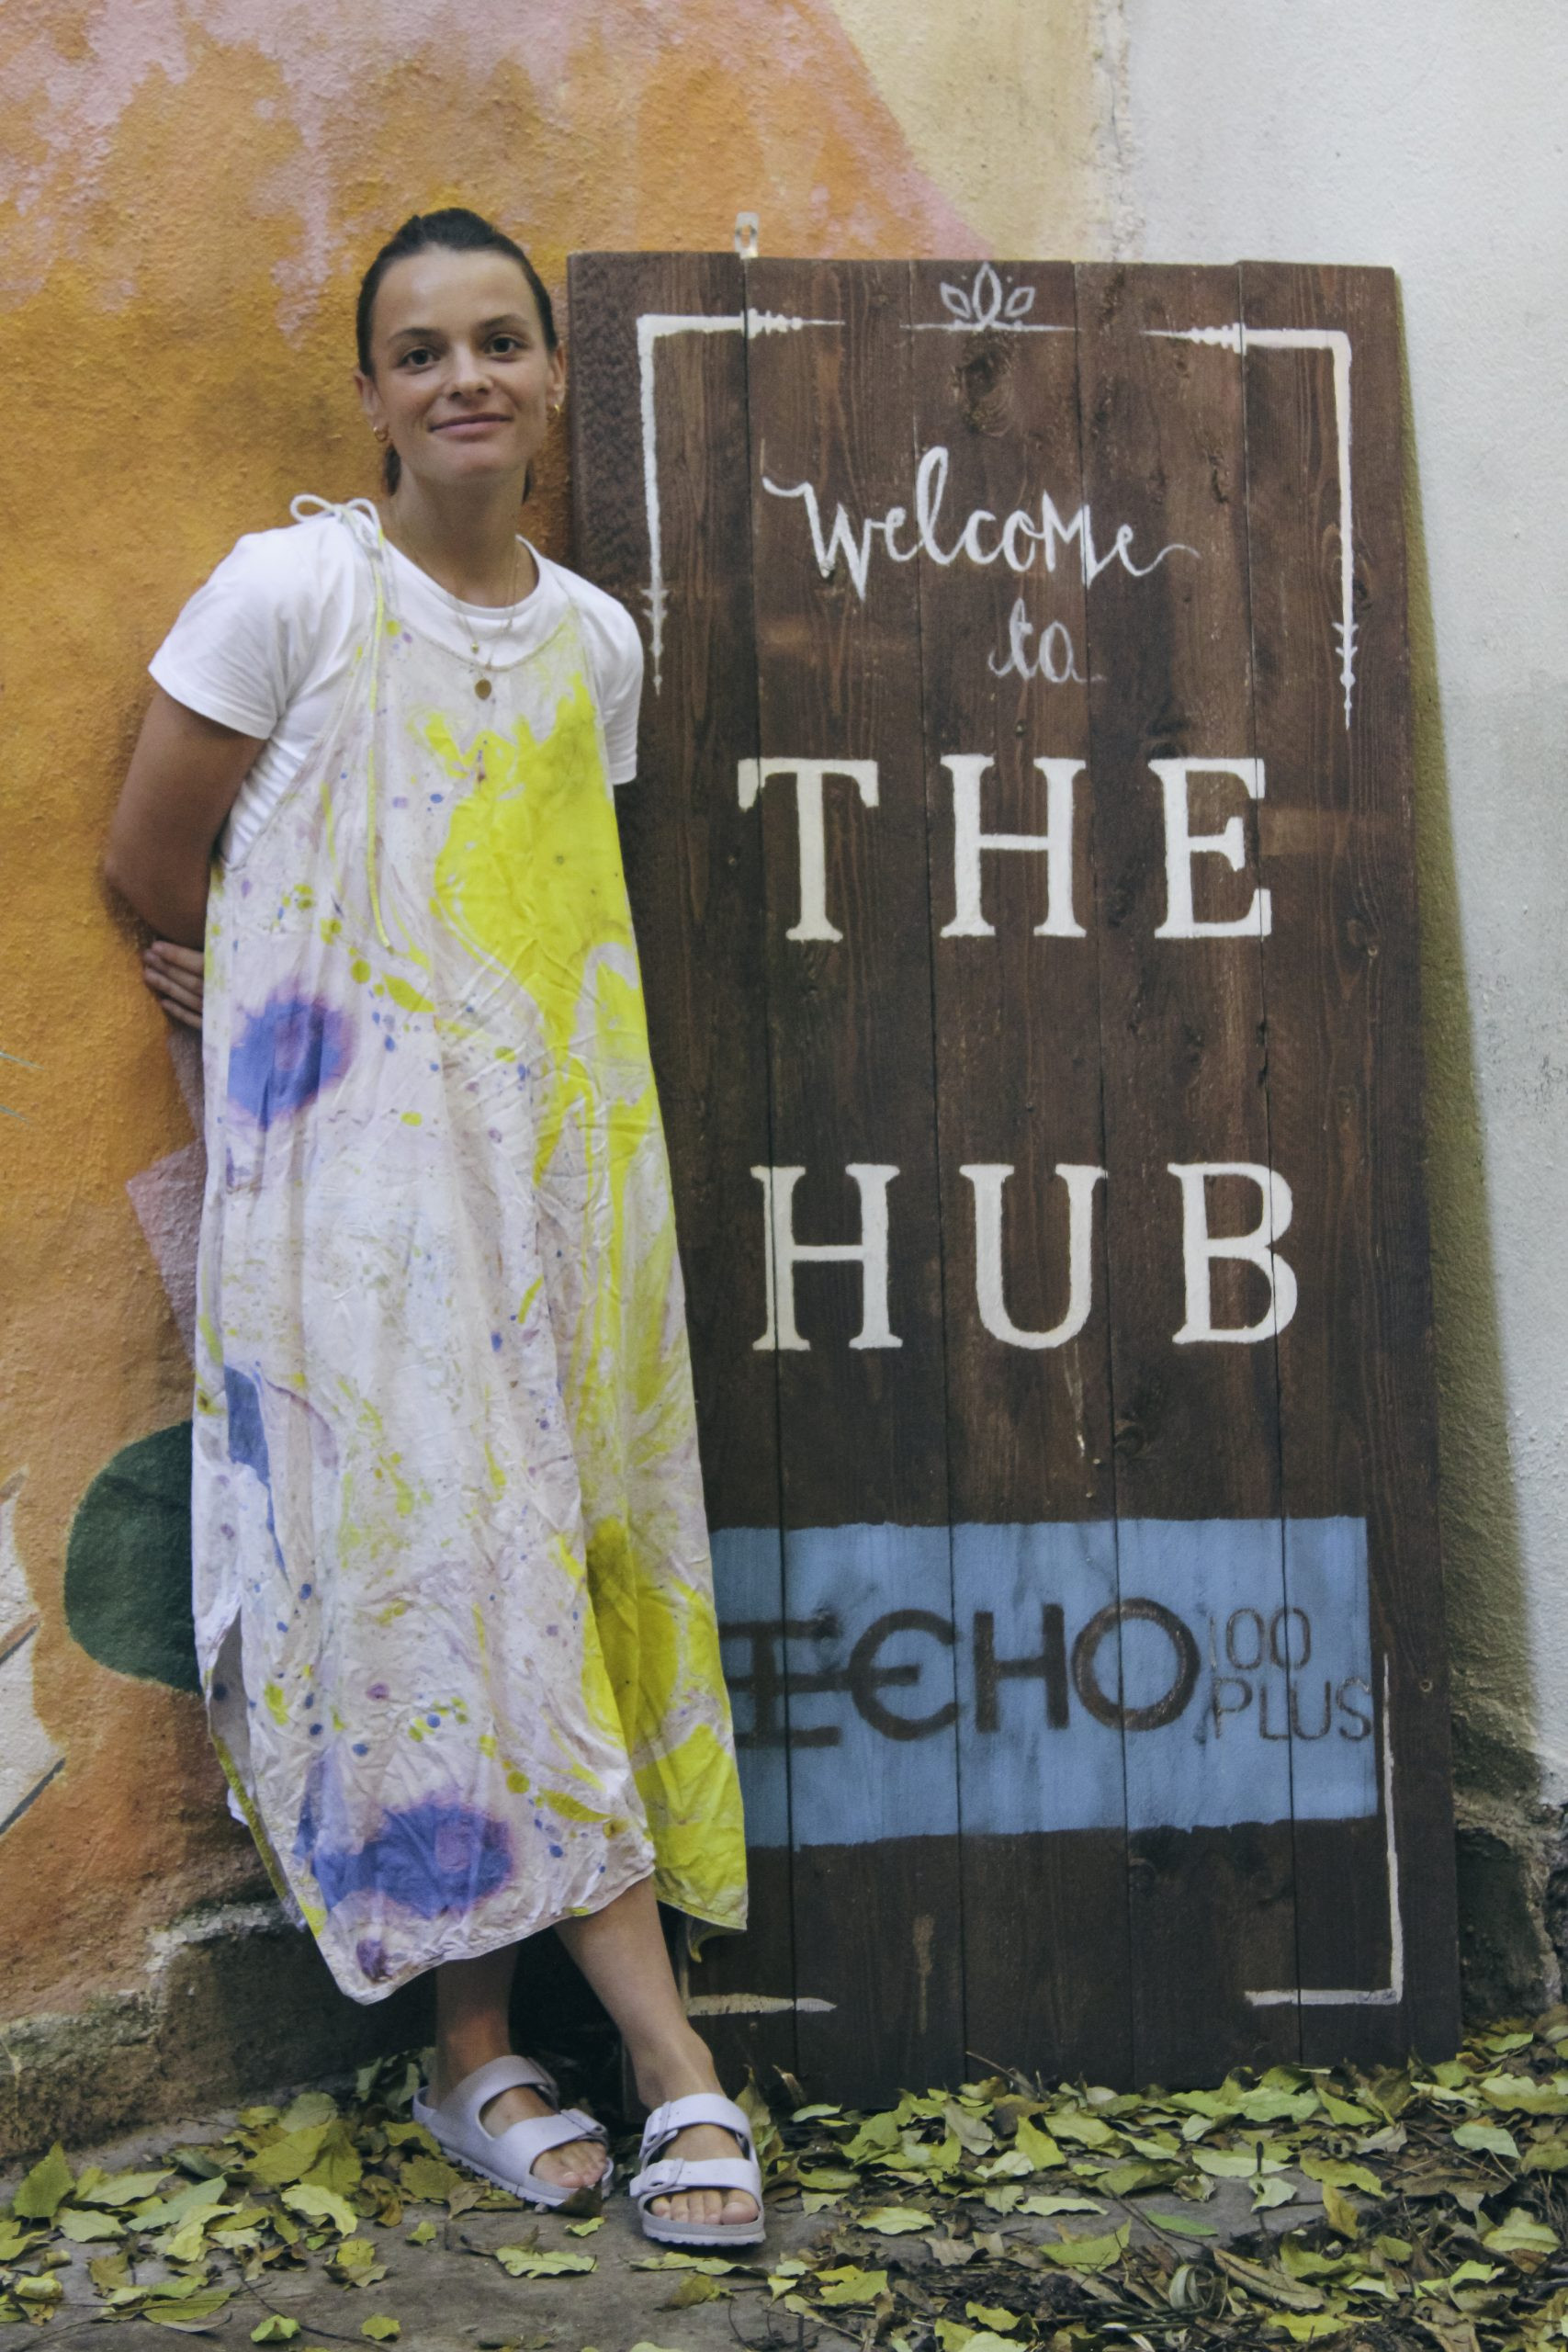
{"type": "Point", "coordinates": [236, 2003]}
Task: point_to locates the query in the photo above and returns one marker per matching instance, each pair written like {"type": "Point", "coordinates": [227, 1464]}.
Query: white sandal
{"type": "Point", "coordinates": [670, 2176]}
{"type": "Point", "coordinates": [507, 2156]}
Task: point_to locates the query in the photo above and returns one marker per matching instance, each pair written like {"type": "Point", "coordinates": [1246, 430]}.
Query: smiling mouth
{"type": "Point", "coordinates": [452, 424]}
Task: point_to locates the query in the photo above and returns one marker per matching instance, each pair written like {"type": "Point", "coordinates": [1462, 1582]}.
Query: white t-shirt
{"type": "Point", "coordinates": [264, 644]}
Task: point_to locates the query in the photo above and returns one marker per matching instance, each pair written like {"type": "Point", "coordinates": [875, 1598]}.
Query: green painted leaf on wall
{"type": "Point", "coordinates": [128, 1563]}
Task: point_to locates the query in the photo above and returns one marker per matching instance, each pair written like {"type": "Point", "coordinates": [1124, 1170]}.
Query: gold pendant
{"type": "Point", "coordinates": [482, 688]}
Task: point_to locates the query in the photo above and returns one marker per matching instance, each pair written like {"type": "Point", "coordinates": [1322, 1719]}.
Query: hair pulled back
{"type": "Point", "coordinates": [455, 231]}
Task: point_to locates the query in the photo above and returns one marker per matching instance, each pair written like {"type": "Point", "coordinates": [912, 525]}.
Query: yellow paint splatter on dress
{"type": "Point", "coordinates": [448, 1486]}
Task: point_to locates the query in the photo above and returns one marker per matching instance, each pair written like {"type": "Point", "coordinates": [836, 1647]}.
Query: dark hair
{"type": "Point", "coordinates": [455, 231]}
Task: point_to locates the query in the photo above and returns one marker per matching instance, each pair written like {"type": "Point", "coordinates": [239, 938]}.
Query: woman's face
{"type": "Point", "coordinates": [463, 380]}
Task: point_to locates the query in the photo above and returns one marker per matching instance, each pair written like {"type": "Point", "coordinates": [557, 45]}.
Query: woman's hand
{"type": "Point", "coordinates": [173, 974]}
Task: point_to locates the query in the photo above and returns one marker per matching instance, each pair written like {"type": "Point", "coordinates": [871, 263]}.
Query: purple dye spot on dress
{"type": "Point", "coordinates": [285, 1055]}
{"type": "Point", "coordinates": [379, 1691]}
{"type": "Point", "coordinates": [430, 1858]}
{"type": "Point", "coordinates": [495, 1342]}
{"type": "Point", "coordinates": [374, 1964]}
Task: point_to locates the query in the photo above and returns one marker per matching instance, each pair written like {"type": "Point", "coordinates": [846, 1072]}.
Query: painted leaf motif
{"type": "Point", "coordinates": [128, 1588]}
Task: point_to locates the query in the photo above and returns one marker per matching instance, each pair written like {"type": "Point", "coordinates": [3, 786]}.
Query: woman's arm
{"type": "Point", "coordinates": [183, 777]}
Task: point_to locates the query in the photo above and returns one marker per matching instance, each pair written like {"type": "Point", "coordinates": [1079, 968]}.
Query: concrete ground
{"type": "Point", "coordinates": [451, 2295]}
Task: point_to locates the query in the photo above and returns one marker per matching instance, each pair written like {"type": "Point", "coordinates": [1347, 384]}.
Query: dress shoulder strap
{"type": "Point", "coordinates": [361, 518]}
{"type": "Point", "coordinates": [358, 515]}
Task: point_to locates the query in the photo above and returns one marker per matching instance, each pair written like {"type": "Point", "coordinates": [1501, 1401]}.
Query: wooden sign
{"type": "Point", "coordinates": [1022, 870]}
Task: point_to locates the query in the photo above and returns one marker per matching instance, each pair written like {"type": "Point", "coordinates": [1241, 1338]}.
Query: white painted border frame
{"type": "Point", "coordinates": [985, 309]}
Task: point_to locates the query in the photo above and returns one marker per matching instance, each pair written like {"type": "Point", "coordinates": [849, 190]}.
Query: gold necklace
{"type": "Point", "coordinates": [484, 684]}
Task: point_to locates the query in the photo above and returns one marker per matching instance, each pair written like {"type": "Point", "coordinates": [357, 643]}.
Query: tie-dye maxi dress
{"type": "Point", "coordinates": [454, 1604]}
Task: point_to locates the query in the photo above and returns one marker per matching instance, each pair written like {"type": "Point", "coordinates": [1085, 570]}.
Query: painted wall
{"type": "Point", "coordinates": [189, 191]}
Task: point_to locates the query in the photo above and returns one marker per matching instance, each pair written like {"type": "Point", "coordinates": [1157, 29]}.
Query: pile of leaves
{"type": "Point", "coordinates": [1011, 2213]}
{"type": "Point", "coordinates": [178, 2240]}
{"type": "Point", "coordinates": [1421, 2206]}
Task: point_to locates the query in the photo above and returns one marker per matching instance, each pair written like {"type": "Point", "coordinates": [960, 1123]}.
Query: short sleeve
{"type": "Point", "coordinates": [234, 652]}
{"type": "Point", "coordinates": [619, 681]}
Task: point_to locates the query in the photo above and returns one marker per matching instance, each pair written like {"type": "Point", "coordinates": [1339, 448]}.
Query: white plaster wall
{"type": "Point", "coordinates": [1430, 134]}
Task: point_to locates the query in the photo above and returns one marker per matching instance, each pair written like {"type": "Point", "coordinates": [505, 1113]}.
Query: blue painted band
{"type": "Point", "coordinates": [907, 1681]}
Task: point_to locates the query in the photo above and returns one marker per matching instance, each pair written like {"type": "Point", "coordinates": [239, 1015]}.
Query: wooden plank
{"type": "Point", "coordinates": [862, 1432]}
{"type": "Point", "coordinates": [995, 383]}
{"type": "Point", "coordinates": [1356, 1401]}
{"type": "Point", "coordinates": [1196, 1443]}
{"type": "Point", "coordinates": [664, 523]}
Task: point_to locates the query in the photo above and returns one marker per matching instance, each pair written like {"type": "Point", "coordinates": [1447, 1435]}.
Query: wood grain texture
{"type": "Point", "coordinates": [1196, 1430]}
{"type": "Point", "coordinates": [903, 1041]}
{"type": "Point", "coordinates": [862, 1428]}
{"type": "Point", "coordinates": [1358, 1410]}
{"type": "Point", "coordinates": [1018, 1086]}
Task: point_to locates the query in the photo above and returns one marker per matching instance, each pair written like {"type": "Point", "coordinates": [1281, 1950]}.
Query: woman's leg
{"type": "Point", "coordinates": [472, 2001]}
{"type": "Point", "coordinates": [621, 1951]}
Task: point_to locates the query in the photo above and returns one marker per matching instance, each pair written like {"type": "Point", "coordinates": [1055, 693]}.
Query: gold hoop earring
{"type": "Point", "coordinates": [382, 434]}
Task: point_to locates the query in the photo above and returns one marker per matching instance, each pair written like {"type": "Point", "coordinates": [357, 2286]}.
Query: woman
{"type": "Point", "coordinates": [453, 1600]}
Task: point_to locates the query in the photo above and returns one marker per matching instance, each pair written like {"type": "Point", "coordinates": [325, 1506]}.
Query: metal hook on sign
{"type": "Point", "coordinates": [748, 228]}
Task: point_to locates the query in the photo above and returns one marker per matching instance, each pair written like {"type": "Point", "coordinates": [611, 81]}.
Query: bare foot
{"type": "Point", "coordinates": [707, 2205]}
{"type": "Point", "coordinates": [575, 2163]}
